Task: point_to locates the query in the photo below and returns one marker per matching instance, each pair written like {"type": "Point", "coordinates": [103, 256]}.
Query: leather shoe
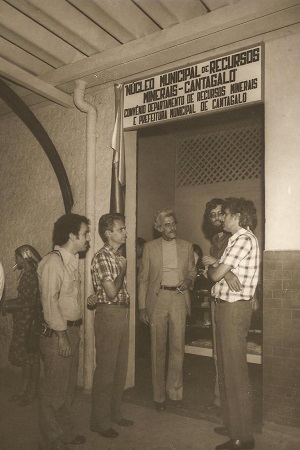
{"type": "Point", "coordinates": [236, 445]}
{"type": "Point", "coordinates": [110, 433]}
{"type": "Point", "coordinates": [160, 406]}
{"type": "Point", "coordinates": [175, 403]}
{"type": "Point", "coordinates": [76, 440]}
{"type": "Point", "coordinates": [125, 422]}
{"type": "Point", "coordinates": [222, 431]}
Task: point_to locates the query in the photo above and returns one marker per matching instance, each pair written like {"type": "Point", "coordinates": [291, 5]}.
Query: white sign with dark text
{"type": "Point", "coordinates": [223, 82]}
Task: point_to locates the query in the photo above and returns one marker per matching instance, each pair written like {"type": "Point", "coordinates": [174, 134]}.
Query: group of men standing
{"type": "Point", "coordinates": [166, 277]}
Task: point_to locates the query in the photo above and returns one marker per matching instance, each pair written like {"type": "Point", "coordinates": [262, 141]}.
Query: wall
{"type": "Point", "coordinates": [281, 355]}
{"type": "Point", "coordinates": [30, 196]}
{"type": "Point", "coordinates": [282, 138]}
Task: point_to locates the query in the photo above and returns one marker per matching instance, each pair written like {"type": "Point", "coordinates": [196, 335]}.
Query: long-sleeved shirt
{"type": "Point", "coordinates": [59, 282]}
{"type": "Point", "coordinates": [105, 268]}
{"type": "Point", "coordinates": [242, 255]}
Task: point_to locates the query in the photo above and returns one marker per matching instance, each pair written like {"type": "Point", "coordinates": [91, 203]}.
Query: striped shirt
{"type": "Point", "coordinates": [105, 268]}
{"type": "Point", "coordinates": [242, 255]}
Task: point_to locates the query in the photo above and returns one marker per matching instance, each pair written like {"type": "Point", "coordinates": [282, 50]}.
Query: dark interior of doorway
{"type": "Point", "coordinates": [199, 371]}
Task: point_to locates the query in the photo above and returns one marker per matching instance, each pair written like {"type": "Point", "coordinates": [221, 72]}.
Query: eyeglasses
{"type": "Point", "coordinates": [216, 214]}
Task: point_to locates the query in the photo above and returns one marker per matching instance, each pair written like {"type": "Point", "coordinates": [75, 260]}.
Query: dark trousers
{"type": "Point", "coordinates": [112, 341]}
{"type": "Point", "coordinates": [58, 386]}
{"type": "Point", "coordinates": [233, 322]}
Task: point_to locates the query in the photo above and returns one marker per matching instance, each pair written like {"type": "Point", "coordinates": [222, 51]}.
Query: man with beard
{"type": "Point", "coordinates": [213, 227]}
{"type": "Point", "coordinates": [167, 274]}
{"type": "Point", "coordinates": [59, 282]}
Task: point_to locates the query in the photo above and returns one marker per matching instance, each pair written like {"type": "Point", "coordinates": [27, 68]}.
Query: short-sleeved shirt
{"type": "Point", "coordinates": [242, 255]}
{"type": "Point", "coordinates": [105, 268]}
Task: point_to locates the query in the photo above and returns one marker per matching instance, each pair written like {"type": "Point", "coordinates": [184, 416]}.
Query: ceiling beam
{"type": "Point", "coordinates": [25, 79]}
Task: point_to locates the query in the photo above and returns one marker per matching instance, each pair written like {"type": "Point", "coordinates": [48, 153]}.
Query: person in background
{"type": "Point", "coordinates": [24, 347]}
{"type": "Point", "coordinates": [139, 253]}
{"type": "Point", "coordinates": [213, 228]}
{"type": "Point", "coordinates": [166, 277]}
{"type": "Point", "coordinates": [112, 302]}
{"type": "Point", "coordinates": [59, 282]}
{"type": "Point", "coordinates": [1, 280]}
{"type": "Point", "coordinates": [201, 287]}
{"type": "Point", "coordinates": [233, 317]}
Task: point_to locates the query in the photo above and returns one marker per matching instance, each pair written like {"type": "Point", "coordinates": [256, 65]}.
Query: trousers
{"type": "Point", "coordinates": [112, 342]}
{"type": "Point", "coordinates": [168, 320]}
{"type": "Point", "coordinates": [233, 323]}
{"type": "Point", "coordinates": [58, 386]}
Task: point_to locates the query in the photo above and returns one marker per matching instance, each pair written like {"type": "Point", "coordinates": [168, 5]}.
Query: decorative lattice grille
{"type": "Point", "coordinates": [220, 156]}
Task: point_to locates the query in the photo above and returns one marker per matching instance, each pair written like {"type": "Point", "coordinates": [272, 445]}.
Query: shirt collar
{"type": "Point", "coordinates": [66, 256]}
{"type": "Point", "coordinates": [110, 250]}
{"type": "Point", "coordinates": [239, 233]}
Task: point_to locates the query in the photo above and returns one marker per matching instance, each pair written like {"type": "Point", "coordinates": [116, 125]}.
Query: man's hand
{"type": "Point", "coordinates": [143, 316]}
{"type": "Point", "coordinates": [208, 260]}
{"type": "Point", "coordinates": [122, 263]}
{"type": "Point", "coordinates": [64, 347]}
{"type": "Point", "coordinates": [233, 282]}
{"type": "Point", "coordinates": [92, 300]}
{"type": "Point", "coordinates": [184, 284]}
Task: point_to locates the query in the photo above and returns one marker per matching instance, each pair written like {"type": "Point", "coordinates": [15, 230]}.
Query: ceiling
{"type": "Point", "coordinates": [45, 44]}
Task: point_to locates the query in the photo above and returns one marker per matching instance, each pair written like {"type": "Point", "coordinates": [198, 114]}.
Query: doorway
{"type": "Point", "coordinates": [182, 165]}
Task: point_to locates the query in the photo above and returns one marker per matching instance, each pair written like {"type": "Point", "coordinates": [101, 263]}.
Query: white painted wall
{"type": "Point", "coordinates": [282, 143]}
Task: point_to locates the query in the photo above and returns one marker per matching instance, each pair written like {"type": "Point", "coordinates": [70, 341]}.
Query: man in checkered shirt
{"type": "Point", "coordinates": [233, 317]}
{"type": "Point", "coordinates": [111, 300]}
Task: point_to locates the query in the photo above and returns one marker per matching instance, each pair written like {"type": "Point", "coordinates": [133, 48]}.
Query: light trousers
{"type": "Point", "coordinates": [168, 321]}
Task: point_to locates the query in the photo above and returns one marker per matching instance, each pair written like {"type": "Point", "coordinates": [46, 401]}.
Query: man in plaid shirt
{"type": "Point", "coordinates": [111, 300]}
{"type": "Point", "coordinates": [233, 317]}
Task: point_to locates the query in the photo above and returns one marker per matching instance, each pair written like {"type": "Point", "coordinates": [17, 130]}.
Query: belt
{"type": "Point", "coordinates": [219, 300]}
{"type": "Point", "coordinates": [168, 288]}
{"type": "Point", "coordinates": [74, 323]}
{"type": "Point", "coordinates": [120, 305]}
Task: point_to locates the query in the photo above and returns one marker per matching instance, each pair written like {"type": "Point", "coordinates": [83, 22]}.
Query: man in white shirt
{"type": "Point", "coordinates": [59, 283]}
{"type": "Point", "coordinates": [166, 276]}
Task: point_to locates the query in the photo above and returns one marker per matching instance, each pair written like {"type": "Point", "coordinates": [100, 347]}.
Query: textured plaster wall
{"type": "Point", "coordinates": [282, 141]}
{"type": "Point", "coordinates": [30, 199]}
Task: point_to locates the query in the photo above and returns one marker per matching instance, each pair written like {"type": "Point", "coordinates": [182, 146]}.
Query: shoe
{"type": "Point", "coordinates": [125, 423]}
{"type": "Point", "coordinates": [26, 400]}
{"type": "Point", "coordinates": [236, 445]}
{"type": "Point", "coordinates": [18, 396]}
{"type": "Point", "coordinates": [213, 409]}
{"type": "Point", "coordinates": [175, 403]}
{"type": "Point", "coordinates": [76, 440]}
{"type": "Point", "coordinates": [109, 433]}
{"type": "Point", "coordinates": [222, 431]}
{"type": "Point", "coordinates": [160, 406]}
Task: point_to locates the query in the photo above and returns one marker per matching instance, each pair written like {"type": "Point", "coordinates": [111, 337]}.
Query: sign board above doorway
{"type": "Point", "coordinates": [226, 81]}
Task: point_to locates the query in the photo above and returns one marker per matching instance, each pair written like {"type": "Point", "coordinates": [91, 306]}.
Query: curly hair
{"type": "Point", "coordinates": [107, 222]}
{"type": "Point", "coordinates": [163, 213]}
{"type": "Point", "coordinates": [66, 224]}
{"type": "Point", "coordinates": [207, 226]}
{"type": "Point", "coordinates": [246, 209]}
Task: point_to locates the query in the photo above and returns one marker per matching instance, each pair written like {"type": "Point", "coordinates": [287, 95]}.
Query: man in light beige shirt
{"type": "Point", "coordinates": [59, 283]}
